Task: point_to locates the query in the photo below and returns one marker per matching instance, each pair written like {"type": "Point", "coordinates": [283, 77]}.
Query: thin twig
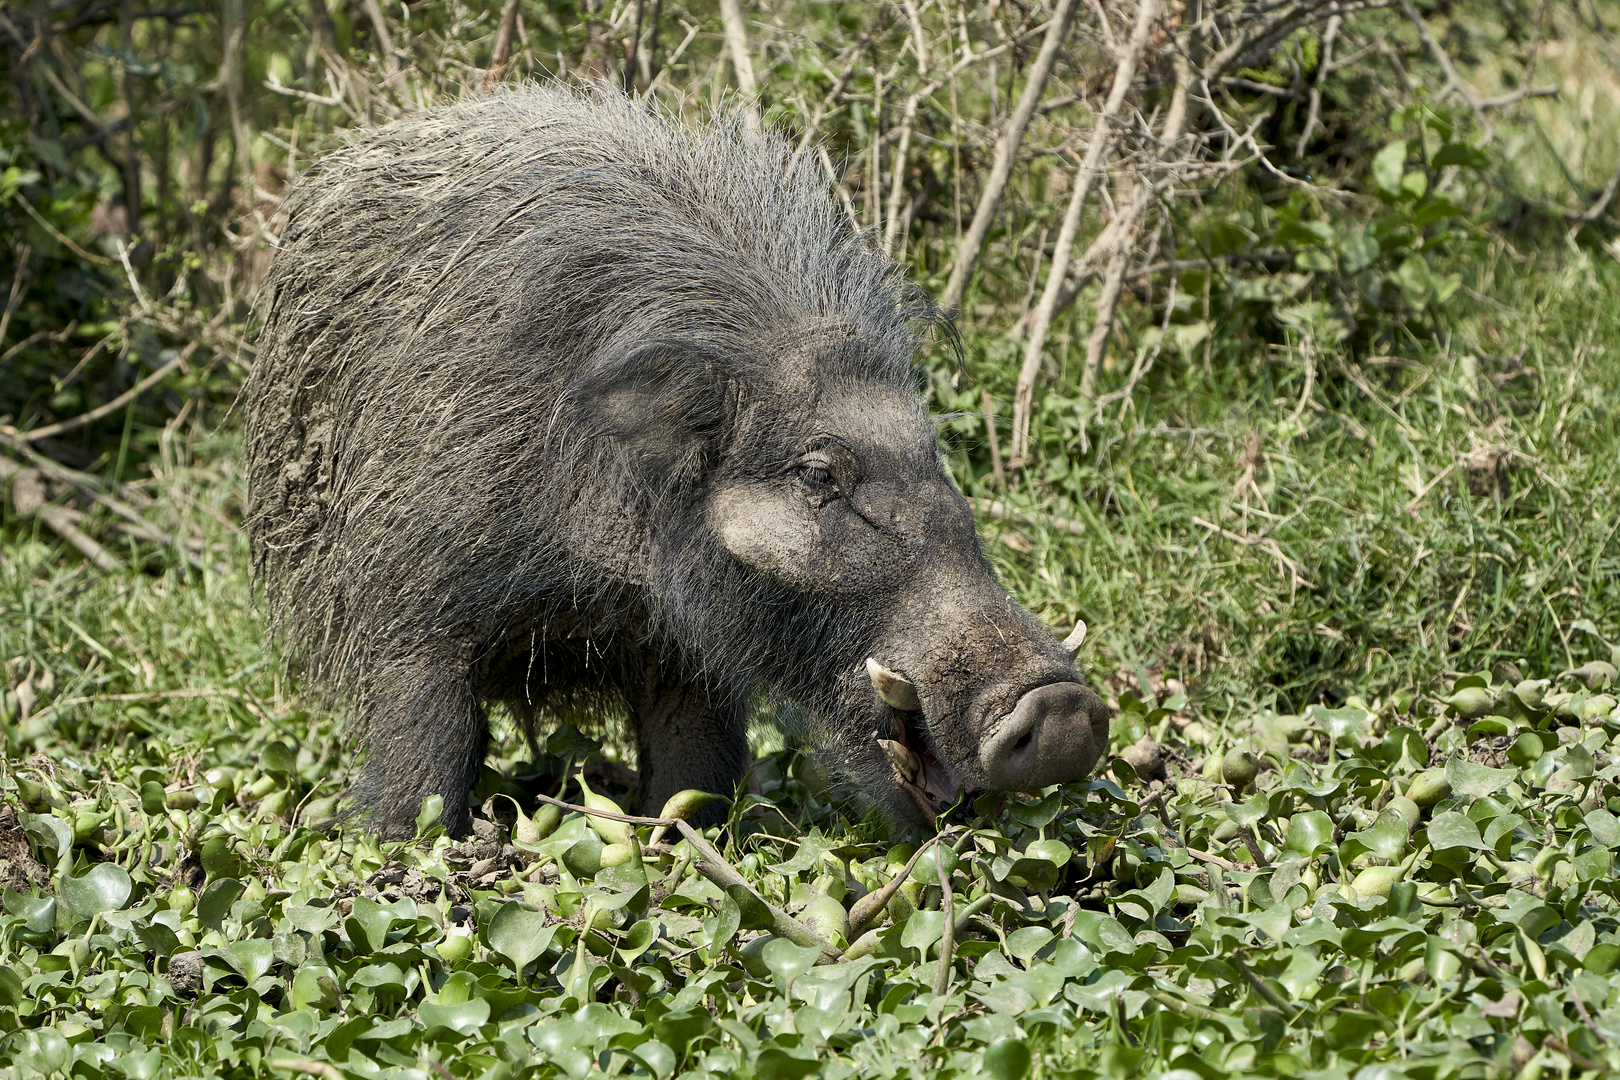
{"type": "Point", "coordinates": [84, 419]}
{"type": "Point", "coordinates": [1313, 115]}
{"type": "Point", "coordinates": [990, 434]}
{"type": "Point", "coordinates": [1213, 860]}
{"type": "Point", "coordinates": [628, 819]}
{"type": "Point", "coordinates": [29, 500]}
{"type": "Point", "coordinates": [57, 234]}
{"type": "Point", "coordinates": [1454, 82]}
{"type": "Point", "coordinates": [996, 510]}
{"type": "Point", "coordinates": [1188, 1008]}
{"type": "Point", "coordinates": [1272, 998]}
{"type": "Point", "coordinates": [947, 941]}
{"type": "Point", "coordinates": [1266, 544]}
{"type": "Point", "coordinates": [741, 63]}
{"type": "Point", "coordinates": [307, 1067]}
{"type": "Point", "coordinates": [1597, 209]}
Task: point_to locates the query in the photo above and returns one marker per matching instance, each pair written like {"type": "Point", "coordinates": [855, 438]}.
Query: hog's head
{"type": "Point", "coordinates": [926, 677]}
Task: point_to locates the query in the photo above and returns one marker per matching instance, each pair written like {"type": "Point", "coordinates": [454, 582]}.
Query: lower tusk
{"type": "Point", "coordinates": [905, 762]}
{"type": "Point", "coordinates": [893, 688]}
{"type": "Point", "coordinates": [1076, 638]}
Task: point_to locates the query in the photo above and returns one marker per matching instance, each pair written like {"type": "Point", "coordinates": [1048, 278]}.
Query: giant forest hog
{"type": "Point", "coordinates": [559, 401]}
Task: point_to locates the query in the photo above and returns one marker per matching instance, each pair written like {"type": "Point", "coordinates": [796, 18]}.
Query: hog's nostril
{"type": "Point", "coordinates": [1051, 737]}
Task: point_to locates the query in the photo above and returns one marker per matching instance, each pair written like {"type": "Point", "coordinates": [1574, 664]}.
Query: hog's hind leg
{"type": "Point", "coordinates": [688, 735]}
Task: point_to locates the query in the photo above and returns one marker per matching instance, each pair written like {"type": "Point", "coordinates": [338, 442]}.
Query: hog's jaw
{"type": "Point", "coordinates": [945, 683]}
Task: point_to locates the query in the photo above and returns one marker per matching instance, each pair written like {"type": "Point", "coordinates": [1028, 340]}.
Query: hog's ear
{"type": "Point", "coordinates": [665, 408]}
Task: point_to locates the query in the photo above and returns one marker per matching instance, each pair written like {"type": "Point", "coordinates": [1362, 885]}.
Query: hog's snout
{"type": "Point", "coordinates": [1054, 734]}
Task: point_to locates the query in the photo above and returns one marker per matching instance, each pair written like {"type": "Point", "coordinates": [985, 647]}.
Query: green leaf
{"type": "Point", "coordinates": [1309, 833]}
{"type": "Point", "coordinates": [428, 814]}
{"type": "Point", "coordinates": [1007, 1059]}
{"type": "Point", "coordinates": [250, 958]}
{"type": "Point", "coordinates": [922, 930]}
{"type": "Point", "coordinates": [1602, 959]}
{"type": "Point", "coordinates": [464, 1018]}
{"type": "Point", "coordinates": [1272, 921]}
{"type": "Point", "coordinates": [1389, 165]}
{"type": "Point", "coordinates": [277, 757]}
{"type": "Point", "coordinates": [1454, 153]}
{"type": "Point", "coordinates": [315, 987]}
{"type": "Point", "coordinates": [1454, 830]}
{"type": "Point", "coordinates": [726, 922]}
{"type": "Point", "coordinates": [105, 887]}
{"type": "Point", "coordinates": [1358, 251]}
{"type": "Point", "coordinates": [659, 1059]}
{"type": "Point", "coordinates": [1347, 727]}
{"type": "Point", "coordinates": [566, 741]}
{"type": "Point", "coordinates": [778, 1064]}
{"type": "Point", "coordinates": [1386, 838]}
{"type": "Point", "coordinates": [1025, 942]}
{"type": "Point", "coordinates": [1604, 826]}
{"type": "Point", "coordinates": [154, 800]}
{"type": "Point", "coordinates": [788, 961]}
{"type": "Point", "coordinates": [1055, 852]}
{"type": "Point", "coordinates": [809, 853]}
{"type": "Point", "coordinates": [754, 913]}
{"type": "Point", "coordinates": [1467, 778]}
{"type": "Point", "coordinates": [52, 832]}
{"type": "Point", "coordinates": [637, 940]}
{"type": "Point", "coordinates": [1251, 811]}
{"type": "Point", "coordinates": [519, 935]}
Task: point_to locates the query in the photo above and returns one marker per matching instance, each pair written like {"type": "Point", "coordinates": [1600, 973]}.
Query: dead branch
{"type": "Point", "coordinates": [503, 41]}
{"type": "Point", "coordinates": [1085, 177]}
{"type": "Point", "coordinates": [1012, 137]}
{"type": "Point", "coordinates": [28, 498]}
{"type": "Point", "coordinates": [1454, 82]}
{"type": "Point", "coordinates": [110, 407]}
{"type": "Point", "coordinates": [1597, 209]}
{"type": "Point", "coordinates": [1313, 115]}
{"type": "Point", "coordinates": [737, 47]}
{"type": "Point", "coordinates": [385, 40]}
{"type": "Point", "coordinates": [713, 866]}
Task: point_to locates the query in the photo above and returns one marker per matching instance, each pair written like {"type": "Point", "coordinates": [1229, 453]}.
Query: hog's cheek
{"type": "Point", "coordinates": [776, 535]}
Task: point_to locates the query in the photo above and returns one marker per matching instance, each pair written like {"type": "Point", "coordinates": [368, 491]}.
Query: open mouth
{"type": "Point", "coordinates": [918, 767]}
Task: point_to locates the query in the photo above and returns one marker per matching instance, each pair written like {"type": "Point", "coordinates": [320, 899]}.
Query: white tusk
{"type": "Point", "coordinates": [1076, 638]}
{"type": "Point", "coordinates": [904, 761]}
{"type": "Point", "coordinates": [894, 689]}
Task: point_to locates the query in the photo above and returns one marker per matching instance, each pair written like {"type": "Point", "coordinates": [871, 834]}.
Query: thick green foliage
{"type": "Point", "coordinates": [1405, 890]}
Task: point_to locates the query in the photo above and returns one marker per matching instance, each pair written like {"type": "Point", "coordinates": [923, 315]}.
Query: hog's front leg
{"type": "Point", "coordinates": [688, 735]}
{"type": "Point", "coordinates": [425, 734]}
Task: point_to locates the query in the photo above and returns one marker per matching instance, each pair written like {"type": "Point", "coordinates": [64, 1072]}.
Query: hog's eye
{"type": "Point", "coordinates": [815, 470]}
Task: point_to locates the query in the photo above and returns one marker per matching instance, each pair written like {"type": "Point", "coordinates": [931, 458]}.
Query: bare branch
{"type": "Point", "coordinates": [1085, 177]}
{"type": "Point", "coordinates": [1454, 82]}
{"type": "Point", "coordinates": [1598, 208]}
{"type": "Point", "coordinates": [737, 46]}
{"type": "Point", "coordinates": [967, 255]}
{"type": "Point", "coordinates": [1314, 116]}
{"type": "Point", "coordinates": [110, 407]}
